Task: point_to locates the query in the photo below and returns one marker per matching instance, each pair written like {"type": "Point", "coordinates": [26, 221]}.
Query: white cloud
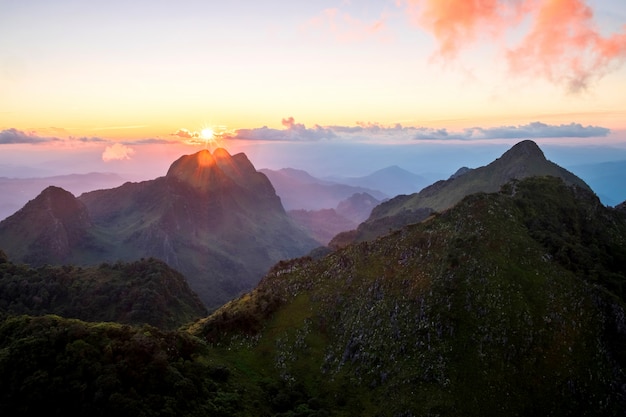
{"type": "Point", "coordinates": [117, 152]}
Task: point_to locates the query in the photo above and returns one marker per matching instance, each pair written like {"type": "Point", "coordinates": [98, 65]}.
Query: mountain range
{"type": "Point", "coordinates": [298, 190]}
{"type": "Point", "coordinates": [500, 291]}
{"type": "Point", "coordinates": [213, 217]}
{"type": "Point", "coordinates": [525, 159]}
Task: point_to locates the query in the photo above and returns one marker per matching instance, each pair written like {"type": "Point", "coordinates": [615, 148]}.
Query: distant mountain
{"type": "Point", "coordinates": [357, 207]}
{"type": "Point", "coordinates": [608, 180]}
{"type": "Point", "coordinates": [213, 217]}
{"type": "Point", "coordinates": [510, 303]}
{"type": "Point", "coordinates": [142, 292]}
{"type": "Point", "coordinates": [392, 181]}
{"type": "Point", "coordinates": [299, 190]}
{"type": "Point", "coordinates": [523, 160]}
{"type": "Point", "coordinates": [16, 192]}
{"type": "Point", "coordinates": [324, 224]}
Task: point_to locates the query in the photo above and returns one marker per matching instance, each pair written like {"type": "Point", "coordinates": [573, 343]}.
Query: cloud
{"type": "Point", "coordinates": [535, 130]}
{"type": "Point", "coordinates": [346, 28]}
{"type": "Point", "coordinates": [117, 152]}
{"type": "Point", "coordinates": [560, 44]}
{"type": "Point", "coordinates": [151, 141]}
{"type": "Point", "coordinates": [88, 139]}
{"type": "Point", "coordinates": [187, 134]}
{"type": "Point", "coordinates": [565, 47]}
{"type": "Point", "coordinates": [14, 136]}
{"type": "Point", "coordinates": [293, 132]}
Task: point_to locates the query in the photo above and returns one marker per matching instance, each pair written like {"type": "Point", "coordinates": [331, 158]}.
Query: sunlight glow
{"type": "Point", "coordinates": [207, 133]}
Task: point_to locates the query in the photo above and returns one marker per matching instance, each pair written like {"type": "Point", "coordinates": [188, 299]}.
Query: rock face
{"type": "Point", "coordinates": [525, 159]}
{"type": "Point", "coordinates": [213, 217]}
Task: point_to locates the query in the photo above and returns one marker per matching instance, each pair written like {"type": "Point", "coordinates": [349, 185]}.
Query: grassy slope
{"type": "Point", "coordinates": [470, 313]}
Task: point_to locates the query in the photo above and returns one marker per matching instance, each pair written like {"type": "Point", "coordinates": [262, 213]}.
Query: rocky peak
{"type": "Point", "coordinates": [205, 171]}
{"type": "Point", "coordinates": [200, 170]}
{"type": "Point", "coordinates": [524, 150]}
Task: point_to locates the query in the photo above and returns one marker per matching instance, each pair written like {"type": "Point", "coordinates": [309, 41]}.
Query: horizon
{"type": "Point", "coordinates": [336, 88]}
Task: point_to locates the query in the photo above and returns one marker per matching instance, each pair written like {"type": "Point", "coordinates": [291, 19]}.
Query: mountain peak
{"type": "Point", "coordinates": [526, 149]}
{"type": "Point", "coordinates": [200, 170]}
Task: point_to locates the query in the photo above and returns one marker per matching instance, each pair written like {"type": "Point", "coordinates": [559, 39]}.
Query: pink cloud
{"type": "Point", "coordinates": [562, 44]}
{"type": "Point", "coordinates": [456, 23]}
{"type": "Point", "coordinates": [565, 46]}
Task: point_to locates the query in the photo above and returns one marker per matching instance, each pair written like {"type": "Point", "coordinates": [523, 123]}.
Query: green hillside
{"type": "Point", "coordinates": [508, 304]}
{"type": "Point", "coordinates": [141, 292]}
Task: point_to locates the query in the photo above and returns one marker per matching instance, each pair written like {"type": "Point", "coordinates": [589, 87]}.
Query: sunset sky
{"type": "Point", "coordinates": [131, 85]}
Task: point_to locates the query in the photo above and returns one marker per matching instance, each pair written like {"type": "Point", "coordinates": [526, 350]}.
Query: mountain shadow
{"type": "Point", "coordinates": [213, 217]}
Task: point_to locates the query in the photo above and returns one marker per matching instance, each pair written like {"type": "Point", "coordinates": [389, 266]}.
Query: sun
{"type": "Point", "coordinates": [207, 133]}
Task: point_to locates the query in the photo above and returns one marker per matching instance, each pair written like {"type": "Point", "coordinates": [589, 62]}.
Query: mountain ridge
{"type": "Point", "coordinates": [524, 159]}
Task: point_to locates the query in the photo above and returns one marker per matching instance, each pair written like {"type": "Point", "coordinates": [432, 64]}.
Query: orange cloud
{"type": "Point", "coordinates": [563, 45]}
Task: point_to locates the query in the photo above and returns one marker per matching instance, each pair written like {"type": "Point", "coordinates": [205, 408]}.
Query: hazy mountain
{"type": "Point", "coordinates": [16, 192]}
{"type": "Point", "coordinates": [392, 181]}
{"type": "Point", "coordinates": [324, 224]}
{"type": "Point", "coordinates": [141, 292]}
{"type": "Point", "coordinates": [213, 217]}
{"type": "Point", "coordinates": [607, 179]}
{"type": "Point", "coordinates": [524, 159]}
{"type": "Point", "coordinates": [299, 190]}
{"type": "Point", "coordinates": [357, 207]}
{"type": "Point", "coordinates": [509, 303]}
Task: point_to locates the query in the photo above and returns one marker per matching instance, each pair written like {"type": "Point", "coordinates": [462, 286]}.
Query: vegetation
{"type": "Point", "coordinates": [142, 292]}
{"type": "Point", "coordinates": [478, 311]}
{"type": "Point", "coordinates": [58, 367]}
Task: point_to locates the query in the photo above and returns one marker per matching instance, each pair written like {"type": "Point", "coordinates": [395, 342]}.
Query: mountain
{"type": "Point", "coordinates": [525, 159]}
{"type": "Point", "coordinates": [47, 228]}
{"type": "Point", "coordinates": [213, 217]}
{"type": "Point", "coordinates": [357, 207]}
{"type": "Point", "coordinates": [509, 303]}
{"type": "Point", "coordinates": [18, 191]}
{"type": "Point", "coordinates": [392, 181]}
{"type": "Point", "coordinates": [321, 224]}
{"type": "Point", "coordinates": [146, 291]}
{"type": "Point", "coordinates": [299, 190]}
{"type": "Point", "coordinates": [324, 224]}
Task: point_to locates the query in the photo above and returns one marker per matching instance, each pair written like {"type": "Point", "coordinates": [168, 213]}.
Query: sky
{"type": "Point", "coordinates": [334, 87]}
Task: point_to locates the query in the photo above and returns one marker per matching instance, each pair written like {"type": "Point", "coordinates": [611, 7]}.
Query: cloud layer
{"type": "Point", "coordinates": [297, 132]}
{"type": "Point", "coordinates": [562, 43]}
{"type": "Point", "coordinates": [293, 132]}
{"type": "Point", "coordinates": [14, 136]}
